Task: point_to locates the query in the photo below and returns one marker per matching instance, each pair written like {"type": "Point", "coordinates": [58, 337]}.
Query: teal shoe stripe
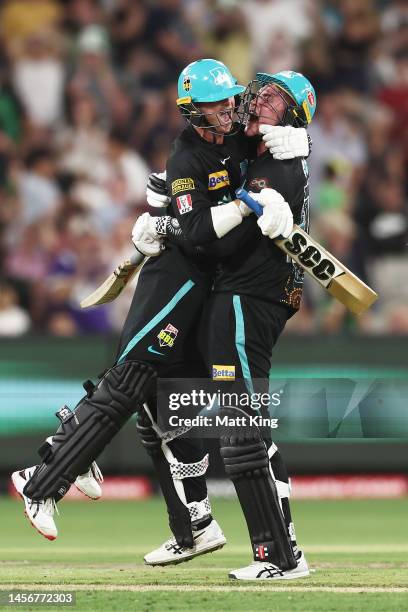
{"type": "Point", "coordinates": [240, 342]}
{"type": "Point", "coordinates": [157, 318]}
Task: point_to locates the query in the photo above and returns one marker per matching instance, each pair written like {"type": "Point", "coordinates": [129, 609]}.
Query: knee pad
{"type": "Point", "coordinates": [84, 432]}
{"type": "Point", "coordinates": [246, 462]}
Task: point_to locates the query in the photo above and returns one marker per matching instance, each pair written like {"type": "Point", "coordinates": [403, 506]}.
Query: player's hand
{"type": "Point", "coordinates": [156, 190]}
{"type": "Point", "coordinates": [277, 218]}
{"type": "Point", "coordinates": [145, 236]}
{"type": "Point", "coordinates": [285, 142]}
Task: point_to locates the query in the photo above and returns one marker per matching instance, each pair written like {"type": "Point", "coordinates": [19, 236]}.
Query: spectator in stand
{"type": "Point", "coordinates": [37, 187]}
{"type": "Point", "coordinates": [38, 78]}
{"type": "Point", "coordinates": [14, 320]}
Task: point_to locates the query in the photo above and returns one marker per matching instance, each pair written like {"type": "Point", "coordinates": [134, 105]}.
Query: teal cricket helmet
{"type": "Point", "coordinates": [299, 89]}
{"type": "Point", "coordinates": [207, 80]}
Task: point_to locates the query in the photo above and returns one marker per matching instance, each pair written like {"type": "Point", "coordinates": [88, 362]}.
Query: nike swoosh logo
{"type": "Point", "coordinates": [224, 160]}
{"type": "Point", "coordinates": [153, 350]}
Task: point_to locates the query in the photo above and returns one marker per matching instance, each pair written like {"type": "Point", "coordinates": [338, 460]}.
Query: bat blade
{"type": "Point", "coordinates": [115, 283]}
{"type": "Point", "coordinates": [352, 292]}
{"type": "Point", "coordinates": [328, 271]}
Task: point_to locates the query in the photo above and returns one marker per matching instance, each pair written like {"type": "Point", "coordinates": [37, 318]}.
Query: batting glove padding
{"type": "Point", "coordinates": [156, 190]}
{"type": "Point", "coordinates": [145, 236]}
{"type": "Point", "coordinates": [277, 218]}
{"type": "Point", "coordinates": [285, 142]}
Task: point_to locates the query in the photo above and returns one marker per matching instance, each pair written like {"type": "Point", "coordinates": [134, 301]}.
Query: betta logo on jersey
{"type": "Point", "coordinates": [257, 184]}
{"type": "Point", "coordinates": [217, 180]}
{"type": "Point", "coordinates": [168, 335]}
{"type": "Point", "coordinates": [184, 204]}
{"type": "Point", "coordinates": [223, 372]}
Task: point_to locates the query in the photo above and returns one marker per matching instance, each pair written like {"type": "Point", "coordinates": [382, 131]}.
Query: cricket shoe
{"type": "Point", "coordinates": [206, 540]}
{"type": "Point", "coordinates": [262, 570]}
{"type": "Point", "coordinates": [39, 513]}
{"type": "Point", "coordinates": [88, 483]}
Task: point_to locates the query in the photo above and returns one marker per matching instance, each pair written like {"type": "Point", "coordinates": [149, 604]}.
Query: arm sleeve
{"type": "Point", "coordinates": [188, 189]}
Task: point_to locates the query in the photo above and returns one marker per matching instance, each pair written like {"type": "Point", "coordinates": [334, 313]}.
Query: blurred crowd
{"type": "Point", "coordinates": [87, 110]}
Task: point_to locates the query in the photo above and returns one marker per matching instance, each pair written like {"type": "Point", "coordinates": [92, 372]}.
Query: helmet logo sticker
{"type": "Point", "coordinates": [187, 83]}
{"type": "Point", "coordinates": [221, 77]}
{"type": "Point", "coordinates": [310, 98]}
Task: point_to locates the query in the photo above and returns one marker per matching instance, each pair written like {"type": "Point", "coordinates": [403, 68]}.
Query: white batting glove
{"type": "Point", "coordinates": [285, 142]}
{"type": "Point", "coordinates": [145, 236]}
{"type": "Point", "coordinates": [156, 190]}
{"type": "Point", "coordinates": [277, 218]}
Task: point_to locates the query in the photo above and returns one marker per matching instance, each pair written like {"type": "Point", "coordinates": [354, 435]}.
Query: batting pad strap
{"type": "Point", "coordinates": [179, 470]}
{"type": "Point", "coordinates": [200, 509]}
{"type": "Point", "coordinates": [283, 488]}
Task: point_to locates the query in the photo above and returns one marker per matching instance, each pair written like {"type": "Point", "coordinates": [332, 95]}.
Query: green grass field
{"type": "Point", "coordinates": [358, 549]}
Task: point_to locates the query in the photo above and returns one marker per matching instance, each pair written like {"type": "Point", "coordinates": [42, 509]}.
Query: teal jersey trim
{"type": "Point", "coordinates": [157, 318]}
{"type": "Point", "coordinates": [240, 342]}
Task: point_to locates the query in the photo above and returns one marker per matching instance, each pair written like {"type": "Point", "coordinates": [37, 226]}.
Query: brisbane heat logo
{"type": "Point", "coordinates": [221, 77]}
{"type": "Point", "coordinates": [168, 335]}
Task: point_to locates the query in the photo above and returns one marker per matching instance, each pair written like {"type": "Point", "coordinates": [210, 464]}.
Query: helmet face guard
{"type": "Point", "coordinates": [193, 114]}
{"type": "Point", "coordinates": [258, 95]}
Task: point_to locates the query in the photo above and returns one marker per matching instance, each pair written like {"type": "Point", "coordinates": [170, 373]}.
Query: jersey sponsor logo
{"type": "Point", "coordinates": [184, 204]}
{"type": "Point", "coordinates": [168, 335]}
{"type": "Point", "coordinates": [217, 180]}
{"type": "Point", "coordinates": [223, 372]}
{"type": "Point", "coordinates": [182, 184]}
{"type": "Point", "coordinates": [225, 160]}
{"type": "Point", "coordinates": [259, 183]}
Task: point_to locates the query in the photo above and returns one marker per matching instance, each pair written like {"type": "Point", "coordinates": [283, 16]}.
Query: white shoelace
{"type": "Point", "coordinates": [96, 472]}
{"type": "Point", "coordinates": [49, 506]}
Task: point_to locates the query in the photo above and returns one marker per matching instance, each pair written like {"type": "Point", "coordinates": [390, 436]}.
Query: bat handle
{"type": "Point", "coordinates": [136, 258]}
{"type": "Point", "coordinates": [244, 196]}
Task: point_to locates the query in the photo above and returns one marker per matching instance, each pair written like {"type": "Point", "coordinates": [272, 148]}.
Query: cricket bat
{"type": "Point", "coordinates": [116, 282]}
{"type": "Point", "coordinates": [321, 265]}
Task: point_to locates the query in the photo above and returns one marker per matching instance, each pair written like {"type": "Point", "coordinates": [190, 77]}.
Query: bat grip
{"type": "Point", "coordinates": [244, 196]}
{"type": "Point", "coordinates": [136, 258]}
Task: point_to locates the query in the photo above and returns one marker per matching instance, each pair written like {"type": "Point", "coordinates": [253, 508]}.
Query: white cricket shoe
{"type": "Point", "coordinates": [262, 570]}
{"type": "Point", "coordinates": [39, 513]}
{"type": "Point", "coordinates": [88, 483]}
{"type": "Point", "coordinates": [206, 540]}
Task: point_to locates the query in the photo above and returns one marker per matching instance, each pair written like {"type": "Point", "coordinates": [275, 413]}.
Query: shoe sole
{"type": "Point", "coordinates": [304, 574]}
{"type": "Point", "coordinates": [217, 546]}
{"type": "Point", "coordinates": [47, 537]}
{"type": "Point", "coordinates": [86, 494]}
